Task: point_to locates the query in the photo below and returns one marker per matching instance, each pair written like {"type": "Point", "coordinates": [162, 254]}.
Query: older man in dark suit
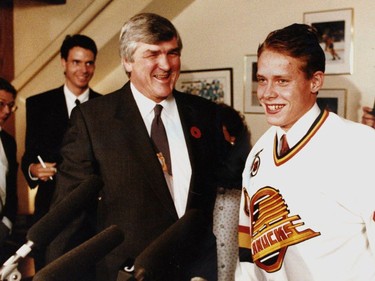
{"type": "Point", "coordinates": [8, 169]}
{"type": "Point", "coordinates": [47, 117]}
{"type": "Point", "coordinates": [144, 193]}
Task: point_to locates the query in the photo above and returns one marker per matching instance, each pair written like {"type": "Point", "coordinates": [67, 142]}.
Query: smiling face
{"type": "Point", "coordinates": [283, 89]}
{"type": "Point", "coordinates": [79, 69]}
{"type": "Point", "coordinates": [155, 69]}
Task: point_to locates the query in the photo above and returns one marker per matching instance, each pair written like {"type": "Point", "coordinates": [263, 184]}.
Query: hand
{"type": "Point", "coordinates": [41, 173]}
{"type": "Point", "coordinates": [4, 232]}
{"type": "Point", "coordinates": [367, 118]}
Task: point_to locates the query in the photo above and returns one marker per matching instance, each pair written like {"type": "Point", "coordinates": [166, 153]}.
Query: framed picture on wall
{"type": "Point", "coordinates": [333, 99]}
{"type": "Point", "coordinates": [335, 30]}
{"type": "Point", "coordinates": [213, 84]}
{"type": "Point", "coordinates": [251, 103]}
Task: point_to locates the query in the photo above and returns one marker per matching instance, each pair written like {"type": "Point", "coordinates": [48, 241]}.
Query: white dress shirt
{"type": "Point", "coordinates": [179, 183]}
{"type": "Point", "coordinates": [4, 167]}
{"type": "Point", "coordinates": [70, 98]}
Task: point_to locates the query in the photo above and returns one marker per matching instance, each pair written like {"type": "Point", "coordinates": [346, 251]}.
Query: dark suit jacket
{"type": "Point", "coordinates": [10, 208]}
{"type": "Point", "coordinates": [46, 123]}
{"type": "Point", "coordinates": [108, 137]}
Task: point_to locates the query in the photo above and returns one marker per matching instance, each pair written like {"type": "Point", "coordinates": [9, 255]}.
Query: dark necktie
{"type": "Point", "coordinates": [159, 137]}
{"type": "Point", "coordinates": [77, 102]}
{"type": "Point", "coordinates": [284, 145]}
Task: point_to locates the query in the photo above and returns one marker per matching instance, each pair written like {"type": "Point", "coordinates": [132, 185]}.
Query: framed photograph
{"type": "Point", "coordinates": [334, 100]}
{"type": "Point", "coordinates": [335, 29]}
{"type": "Point", "coordinates": [251, 103]}
{"type": "Point", "coordinates": [213, 84]}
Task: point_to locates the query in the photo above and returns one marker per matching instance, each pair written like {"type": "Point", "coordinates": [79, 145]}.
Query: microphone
{"type": "Point", "coordinates": [177, 246]}
{"type": "Point", "coordinates": [49, 226]}
{"type": "Point", "coordinates": [74, 264]}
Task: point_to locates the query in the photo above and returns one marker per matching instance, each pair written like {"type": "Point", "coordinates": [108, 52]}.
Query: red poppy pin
{"type": "Point", "coordinates": [195, 132]}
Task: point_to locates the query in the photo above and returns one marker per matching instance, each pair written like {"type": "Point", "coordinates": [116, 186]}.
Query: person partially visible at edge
{"type": "Point", "coordinates": [237, 147]}
{"type": "Point", "coordinates": [305, 213]}
{"type": "Point", "coordinates": [368, 116]}
{"type": "Point", "coordinates": [8, 170]}
{"type": "Point", "coordinates": [110, 137]}
{"type": "Point", "coordinates": [47, 118]}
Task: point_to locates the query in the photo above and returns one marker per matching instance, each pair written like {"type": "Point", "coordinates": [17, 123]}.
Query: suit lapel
{"type": "Point", "coordinates": [130, 123]}
{"type": "Point", "coordinates": [60, 110]}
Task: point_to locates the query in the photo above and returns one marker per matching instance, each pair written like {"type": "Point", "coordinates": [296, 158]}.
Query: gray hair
{"type": "Point", "coordinates": [147, 28]}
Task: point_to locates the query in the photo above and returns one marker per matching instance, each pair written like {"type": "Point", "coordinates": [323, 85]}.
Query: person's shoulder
{"type": "Point", "coordinates": [104, 100]}
{"type": "Point", "coordinates": [7, 137]}
{"type": "Point", "coordinates": [49, 94]}
{"type": "Point", "coordinates": [94, 94]}
{"type": "Point", "coordinates": [355, 133]}
{"type": "Point", "coordinates": [349, 126]}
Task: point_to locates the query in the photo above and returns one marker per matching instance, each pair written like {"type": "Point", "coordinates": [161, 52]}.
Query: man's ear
{"type": "Point", "coordinates": [127, 65]}
{"type": "Point", "coordinates": [317, 81]}
{"type": "Point", "coordinates": [63, 64]}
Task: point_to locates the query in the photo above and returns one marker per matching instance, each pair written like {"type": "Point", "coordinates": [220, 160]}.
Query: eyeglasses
{"type": "Point", "coordinates": [11, 106]}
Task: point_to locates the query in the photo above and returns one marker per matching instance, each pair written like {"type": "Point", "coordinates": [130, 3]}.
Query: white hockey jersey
{"type": "Point", "coordinates": [309, 216]}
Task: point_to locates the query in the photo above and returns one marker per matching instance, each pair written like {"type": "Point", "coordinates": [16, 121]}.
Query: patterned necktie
{"type": "Point", "coordinates": [159, 137]}
{"type": "Point", "coordinates": [284, 145]}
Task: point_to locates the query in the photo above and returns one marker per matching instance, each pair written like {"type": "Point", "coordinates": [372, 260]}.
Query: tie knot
{"type": "Point", "coordinates": [284, 145]}
{"type": "Point", "coordinates": [77, 102]}
{"type": "Point", "coordinates": [157, 109]}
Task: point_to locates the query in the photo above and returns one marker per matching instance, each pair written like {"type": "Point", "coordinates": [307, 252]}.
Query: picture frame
{"type": "Point", "coordinates": [251, 103]}
{"type": "Point", "coordinates": [335, 30]}
{"type": "Point", "coordinates": [213, 84]}
{"type": "Point", "coordinates": [334, 100]}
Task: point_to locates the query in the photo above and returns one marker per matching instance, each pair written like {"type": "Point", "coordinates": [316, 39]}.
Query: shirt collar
{"type": "Point", "coordinates": [300, 128]}
{"type": "Point", "coordinates": [70, 97]}
{"type": "Point", "coordinates": [146, 105]}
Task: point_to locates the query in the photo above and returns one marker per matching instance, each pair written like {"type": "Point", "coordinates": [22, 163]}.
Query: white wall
{"type": "Point", "coordinates": [219, 33]}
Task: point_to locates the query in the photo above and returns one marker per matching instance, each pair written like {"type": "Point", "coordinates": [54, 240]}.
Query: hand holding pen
{"type": "Point", "coordinates": [44, 171]}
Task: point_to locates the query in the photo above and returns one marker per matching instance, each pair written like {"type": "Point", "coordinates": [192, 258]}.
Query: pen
{"type": "Point", "coordinates": [43, 165]}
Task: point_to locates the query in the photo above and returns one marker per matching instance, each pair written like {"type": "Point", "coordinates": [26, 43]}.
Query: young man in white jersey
{"type": "Point", "coordinates": [305, 213]}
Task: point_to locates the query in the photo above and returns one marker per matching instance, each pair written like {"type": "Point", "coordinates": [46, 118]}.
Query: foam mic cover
{"type": "Point", "coordinates": [177, 245]}
{"type": "Point", "coordinates": [49, 226]}
{"type": "Point", "coordinates": [74, 264]}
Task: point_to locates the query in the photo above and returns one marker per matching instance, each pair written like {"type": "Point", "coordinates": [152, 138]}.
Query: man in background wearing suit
{"type": "Point", "coordinates": [142, 193]}
{"type": "Point", "coordinates": [47, 117]}
{"type": "Point", "coordinates": [8, 169]}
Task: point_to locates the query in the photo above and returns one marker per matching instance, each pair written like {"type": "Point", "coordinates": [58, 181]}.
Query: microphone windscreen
{"type": "Point", "coordinates": [58, 217]}
{"type": "Point", "coordinates": [180, 241]}
{"type": "Point", "coordinates": [74, 264]}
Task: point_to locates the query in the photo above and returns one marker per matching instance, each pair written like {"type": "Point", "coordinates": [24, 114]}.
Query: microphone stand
{"type": "Point", "coordinates": [9, 270]}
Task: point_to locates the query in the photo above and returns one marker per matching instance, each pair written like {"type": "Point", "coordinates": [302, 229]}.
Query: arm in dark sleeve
{"type": "Point", "coordinates": [77, 165]}
{"type": "Point", "coordinates": [32, 140]}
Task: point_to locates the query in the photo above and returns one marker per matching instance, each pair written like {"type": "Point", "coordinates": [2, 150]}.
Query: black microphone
{"type": "Point", "coordinates": [49, 226]}
{"type": "Point", "coordinates": [174, 249]}
{"type": "Point", "coordinates": [74, 264]}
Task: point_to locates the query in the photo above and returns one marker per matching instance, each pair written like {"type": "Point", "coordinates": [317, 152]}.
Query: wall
{"type": "Point", "coordinates": [219, 34]}
{"type": "Point", "coordinates": [215, 34]}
